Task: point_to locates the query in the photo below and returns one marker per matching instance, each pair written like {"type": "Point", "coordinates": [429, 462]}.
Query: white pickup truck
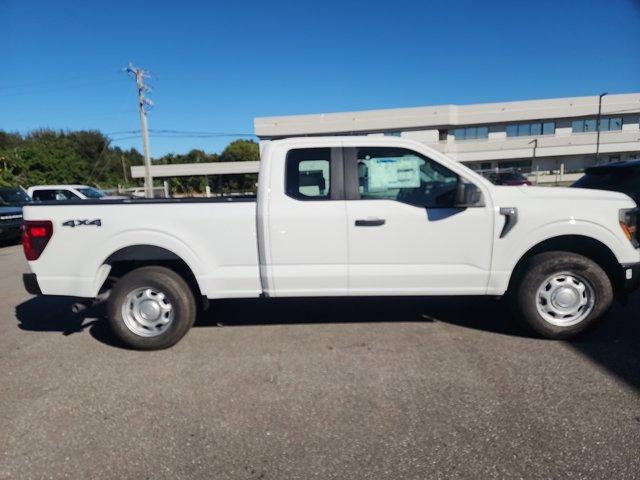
{"type": "Point", "coordinates": [339, 216]}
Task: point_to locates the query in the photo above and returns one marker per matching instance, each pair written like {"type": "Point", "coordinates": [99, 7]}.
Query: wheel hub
{"type": "Point", "coordinates": [147, 312]}
{"type": "Point", "coordinates": [564, 299]}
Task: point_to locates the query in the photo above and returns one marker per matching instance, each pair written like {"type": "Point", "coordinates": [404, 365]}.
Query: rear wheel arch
{"type": "Point", "coordinates": [132, 257]}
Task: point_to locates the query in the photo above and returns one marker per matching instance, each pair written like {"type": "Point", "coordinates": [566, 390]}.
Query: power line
{"type": "Point", "coordinates": [192, 132]}
{"type": "Point", "coordinates": [184, 133]}
{"type": "Point", "coordinates": [122, 132]}
{"type": "Point", "coordinates": [104, 148]}
{"type": "Point", "coordinates": [160, 135]}
{"type": "Point", "coordinates": [125, 138]}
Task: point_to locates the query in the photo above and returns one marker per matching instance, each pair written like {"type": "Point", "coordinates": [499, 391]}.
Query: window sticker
{"type": "Point", "coordinates": [386, 173]}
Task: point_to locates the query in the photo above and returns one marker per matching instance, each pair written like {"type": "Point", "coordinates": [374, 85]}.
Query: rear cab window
{"type": "Point", "coordinates": [309, 174]}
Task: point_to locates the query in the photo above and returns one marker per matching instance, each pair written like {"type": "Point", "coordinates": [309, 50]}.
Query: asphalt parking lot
{"type": "Point", "coordinates": [365, 388]}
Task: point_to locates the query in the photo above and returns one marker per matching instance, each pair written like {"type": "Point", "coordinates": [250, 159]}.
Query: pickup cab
{"type": "Point", "coordinates": [340, 216]}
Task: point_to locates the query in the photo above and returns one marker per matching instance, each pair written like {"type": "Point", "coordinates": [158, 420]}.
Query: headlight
{"type": "Point", "coordinates": [629, 224]}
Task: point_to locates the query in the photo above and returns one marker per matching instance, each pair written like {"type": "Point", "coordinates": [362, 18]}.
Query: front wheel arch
{"type": "Point", "coordinates": [578, 244]}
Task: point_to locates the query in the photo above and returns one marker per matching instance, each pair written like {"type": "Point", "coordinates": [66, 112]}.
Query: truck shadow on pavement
{"type": "Point", "coordinates": [53, 314]}
{"type": "Point", "coordinates": [614, 344]}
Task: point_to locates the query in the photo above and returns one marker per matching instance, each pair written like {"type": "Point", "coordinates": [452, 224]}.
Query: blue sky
{"type": "Point", "coordinates": [216, 65]}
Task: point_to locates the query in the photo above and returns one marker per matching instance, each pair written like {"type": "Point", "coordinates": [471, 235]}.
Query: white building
{"type": "Point", "coordinates": [546, 138]}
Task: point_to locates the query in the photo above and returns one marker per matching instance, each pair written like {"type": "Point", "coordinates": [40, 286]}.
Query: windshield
{"type": "Point", "coordinates": [14, 196]}
{"type": "Point", "coordinates": [91, 192]}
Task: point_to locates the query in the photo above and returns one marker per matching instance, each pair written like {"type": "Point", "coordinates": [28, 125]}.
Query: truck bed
{"type": "Point", "coordinates": [215, 237]}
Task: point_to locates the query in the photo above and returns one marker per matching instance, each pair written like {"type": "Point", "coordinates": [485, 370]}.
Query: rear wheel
{"type": "Point", "coordinates": [151, 308]}
{"type": "Point", "coordinates": [562, 293]}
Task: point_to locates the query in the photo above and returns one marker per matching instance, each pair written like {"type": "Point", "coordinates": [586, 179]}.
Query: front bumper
{"type": "Point", "coordinates": [630, 273]}
{"type": "Point", "coordinates": [31, 283]}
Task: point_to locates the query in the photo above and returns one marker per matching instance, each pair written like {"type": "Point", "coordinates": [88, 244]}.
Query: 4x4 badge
{"type": "Point", "coordinates": [82, 223]}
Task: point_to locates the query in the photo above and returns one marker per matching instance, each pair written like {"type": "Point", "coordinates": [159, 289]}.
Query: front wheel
{"type": "Point", "coordinates": [151, 308]}
{"type": "Point", "coordinates": [562, 293]}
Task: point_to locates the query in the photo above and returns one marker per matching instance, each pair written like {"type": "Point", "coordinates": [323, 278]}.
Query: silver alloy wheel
{"type": "Point", "coordinates": [565, 299]}
{"type": "Point", "coordinates": [147, 312]}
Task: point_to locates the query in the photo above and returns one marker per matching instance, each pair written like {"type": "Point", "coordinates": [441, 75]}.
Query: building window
{"type": "Point", "coordinates": [392, 133]}
{"type": "Point", "coordinates": [471, 133]}
{"type": "Point", "coordinates": [585, 125]}
{"type": "Point", "coordinates": [531, 129]}
{"type": "Point", "coordinates": [610, 124]}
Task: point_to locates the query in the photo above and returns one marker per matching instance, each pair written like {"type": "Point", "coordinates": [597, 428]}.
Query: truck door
{"type": "Point", "coordinates": [405, 236]}
{"type": "Point", "coordinates": [306, 242]}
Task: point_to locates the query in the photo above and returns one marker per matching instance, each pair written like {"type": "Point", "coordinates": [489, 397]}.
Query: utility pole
{"type": "Point", "coordinates": [143, 105]}
{"type": "Point", "coordinates": [535, 147]}
{"type": "Point", "coordinates": [533, 157]}
{"type": "Point", "coordinates": [124, 170]}
{"type": "Point", "coordinates": [598, 125]}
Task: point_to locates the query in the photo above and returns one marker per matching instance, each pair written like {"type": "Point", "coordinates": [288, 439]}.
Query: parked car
{"type": "Point", "coordinates": [506, 177]}
{"type": "Point", "coordinates": [13, 197]}
{"type": "Point", "coordinates": [619, 177]}
{"type": "Point", "coordinates": [338, 216]}
{"type": "Point", "coordinates": [139, 192]}
{"type": "Point", "coordinates": [49, 193]}
{"type": "Point", "coordinates": [10, 221]}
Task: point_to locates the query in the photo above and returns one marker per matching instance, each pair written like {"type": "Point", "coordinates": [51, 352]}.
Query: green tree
{"type": "Point", "coordinates": [241, 151]}
{"type": "Point", "coordinates": [87, 156]}
{"type": "Point", "coordinates": [238, 151]}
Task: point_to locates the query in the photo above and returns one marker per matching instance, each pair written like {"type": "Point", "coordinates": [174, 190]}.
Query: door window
{"type": "Point", "coordinates": [308, 174]}
{"type": "Point", "coordinates": [405, 176]}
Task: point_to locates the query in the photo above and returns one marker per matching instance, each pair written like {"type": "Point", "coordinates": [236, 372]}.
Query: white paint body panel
{"type": "Point", "coordinates": [285, 247]}
{"type": "Point", "coordinates": [418, 251]}
{"type": "Point", "coordinates": [216, 240]}
{"type": "Point", "coordinates": [304, 243]}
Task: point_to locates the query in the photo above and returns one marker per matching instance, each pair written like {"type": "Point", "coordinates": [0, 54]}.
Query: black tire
{"type": "Point", "coordinates": [177, 293]}
{"type": "Point", "coordinates": [545, 265]}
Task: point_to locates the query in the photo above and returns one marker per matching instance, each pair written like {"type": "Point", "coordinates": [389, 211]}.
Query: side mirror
{"type": "Point", "coordinates": [468, 195]}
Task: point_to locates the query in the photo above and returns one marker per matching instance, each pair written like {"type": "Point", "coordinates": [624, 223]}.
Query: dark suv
{"type": "Point", "coordinates": [620, 177]}
{"type": "Point", "coordinates": [12, 199]}
{"type": "Point", "coordinates": [10, 221]}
